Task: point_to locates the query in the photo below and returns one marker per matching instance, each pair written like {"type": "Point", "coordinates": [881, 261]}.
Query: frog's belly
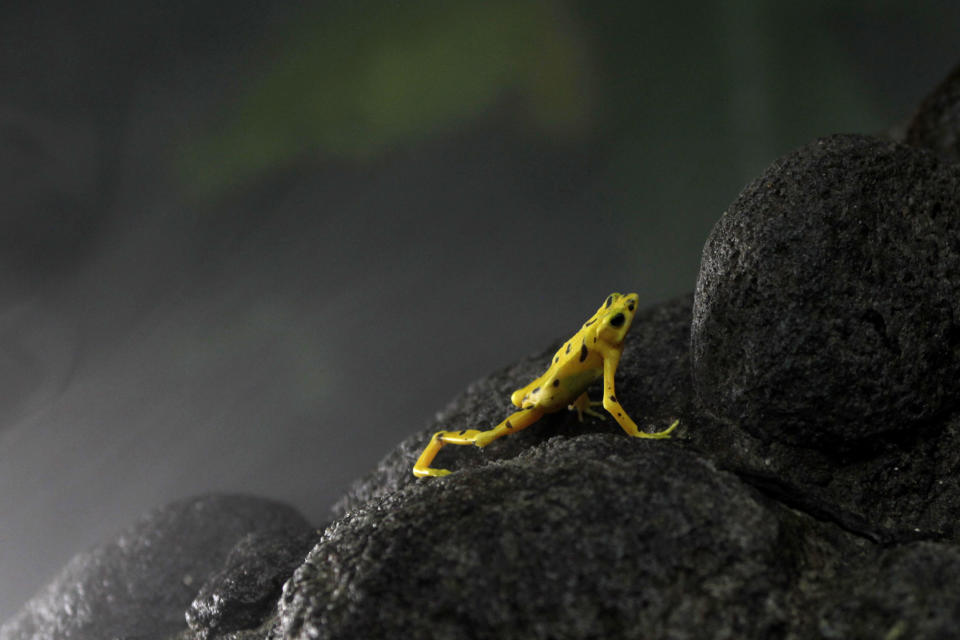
{"type": "Point", "coordinates": [554, 397]}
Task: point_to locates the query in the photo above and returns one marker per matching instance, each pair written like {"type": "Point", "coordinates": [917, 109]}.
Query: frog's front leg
{"type": "Point", "coordinates": [582, 406]}
{"type": "Point", "coordinates": [612, 405]}
{"type": "Point", "coordinates": [516, 422]}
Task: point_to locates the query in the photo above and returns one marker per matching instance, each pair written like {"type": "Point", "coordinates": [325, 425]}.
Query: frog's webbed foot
{"type": "Point", "coordinates": [516, 422]}
{"type": "Point", "coordinates": [427, 472]}
{"type": "Point", "coordinates": [630, 426]}
{"type": "Point", "coordinates": [422, 467]}
{"type": "Point", "coordinates": [582, 406]}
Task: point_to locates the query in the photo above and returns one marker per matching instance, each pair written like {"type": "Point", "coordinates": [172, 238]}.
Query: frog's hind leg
{"type": "Point", "coordinates": [516, 422]}
{"type": "Point", "coordinates": [518, 396]}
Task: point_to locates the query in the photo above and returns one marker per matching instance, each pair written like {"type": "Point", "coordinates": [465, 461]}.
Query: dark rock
{"type": "Point", "coordinates": [244, 592]}
{"type": "Point", "coordinates": [936, 124]}
{"type": "Point", "coordinates": [828, 301]}
{"type": "Point", "coordinates": [574, 530]}
{"type": "Point", "coordinates": [599, 535]}
{"type": "Point", "coordinates": [140, 585]}
{"type": "Point", "coordinates": [905, 488]}
{"type": "Point", "coordinates": [908, 592]}
{"type": "Point", "coordinates": [844, 512]}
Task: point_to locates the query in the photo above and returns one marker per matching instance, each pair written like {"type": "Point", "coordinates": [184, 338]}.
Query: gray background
{"type": "Point", "coordinates": [249, 250]}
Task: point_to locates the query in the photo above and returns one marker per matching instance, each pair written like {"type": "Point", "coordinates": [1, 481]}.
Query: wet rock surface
{"type": "Point", "coordinates": [244, 592]}
{"type": "Point", "coordinates": [828, 303]}
{"type": "Point", "coordinates": [140, 585]}
{"type": "Point", "coordinates": [909, 592]}
{"type": "Point", "coordinates": [841, 514]}
{"type": "Point", "coordinates": [593, 536]}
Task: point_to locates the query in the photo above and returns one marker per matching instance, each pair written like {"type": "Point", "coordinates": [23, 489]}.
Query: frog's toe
{"type": "Point", "coordinates": [594, 414]}
{"type": "Point", "coordinates": [666, 432]}
{"type": "Point", "coordinates": [430, 473]}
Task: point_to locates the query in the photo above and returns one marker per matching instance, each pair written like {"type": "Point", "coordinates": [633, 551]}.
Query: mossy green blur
{"type": "Point", "coordinates": [354, 79]}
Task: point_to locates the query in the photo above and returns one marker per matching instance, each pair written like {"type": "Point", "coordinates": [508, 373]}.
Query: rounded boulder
{"type": "Point", "coordinates": [827, 309]}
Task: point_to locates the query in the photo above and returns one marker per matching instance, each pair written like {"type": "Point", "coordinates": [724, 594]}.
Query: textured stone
{"type": "Point", "coordinates": [936, 124]}
{"type": "Point", "coordinates": [244, 592]}
{"type": "Point", "coordinates": [828, 300]}
{"type": "Point", "coordinates": [863, 504]}
{"type": "Point", "coordinates": [647, 536]}
{"type": "Point", "coordinates": [911, 591]}
{"type": "Point", "coordinates": [593, 536]}
{"type": "Point", "coordinates": [140, 585]}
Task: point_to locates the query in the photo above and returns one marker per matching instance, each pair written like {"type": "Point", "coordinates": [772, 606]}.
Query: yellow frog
{"type": "Point", "coordinates": [592, 352]}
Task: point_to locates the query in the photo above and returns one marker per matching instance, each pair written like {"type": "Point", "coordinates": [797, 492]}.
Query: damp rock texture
{"type": "Point", "coordinates": [936, 124]}
{"type": "Point", "coordinates": [827, 307]}
{"type": "Point", "coordinates": [910, 592]}
{"type": "Point", "coordinates": [141, 584]}
{"type": "Point", "coordinates": [525, 533]}
{"type": "Point", "coordinates": [244, 592]}
{"type": "Point", "coordinates": [596, 536]}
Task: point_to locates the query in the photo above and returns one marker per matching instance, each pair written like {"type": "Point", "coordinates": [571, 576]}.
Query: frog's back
{"type": "Point", "coordinates": [574, 366]}
{"type": "Point", "coordinates": [572, 369]}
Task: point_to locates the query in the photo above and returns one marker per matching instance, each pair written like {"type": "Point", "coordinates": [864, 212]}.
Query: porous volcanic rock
{"type": "Point", "coordinates": [597, 536]}
{"type": "Point", "coordinates": [827, 309]}
{"type": "Point", "coordinates": [910, 591]}
{"type": "Point", "coordinates": [844, 517]}
{"type": "Point", "coordinates": [243, 593]}
{"type": "Point", "coordinates": [140, 584]}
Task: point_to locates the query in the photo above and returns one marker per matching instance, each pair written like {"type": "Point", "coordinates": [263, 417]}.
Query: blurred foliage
{"type": "Point", "coordinates": [352, 79]}
{"type": "Point", "coordinates": [679, 108]}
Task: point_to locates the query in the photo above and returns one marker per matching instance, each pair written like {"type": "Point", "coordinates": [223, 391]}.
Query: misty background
{"type": "Point", "coordinates": [249, 247]}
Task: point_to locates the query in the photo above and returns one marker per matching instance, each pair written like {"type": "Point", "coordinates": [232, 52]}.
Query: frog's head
{"type": "Point", "coordinates": [615, 316]}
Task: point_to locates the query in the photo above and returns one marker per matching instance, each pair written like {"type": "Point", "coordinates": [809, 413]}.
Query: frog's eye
{"type": "Point", "coordinates": [617, 320]}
